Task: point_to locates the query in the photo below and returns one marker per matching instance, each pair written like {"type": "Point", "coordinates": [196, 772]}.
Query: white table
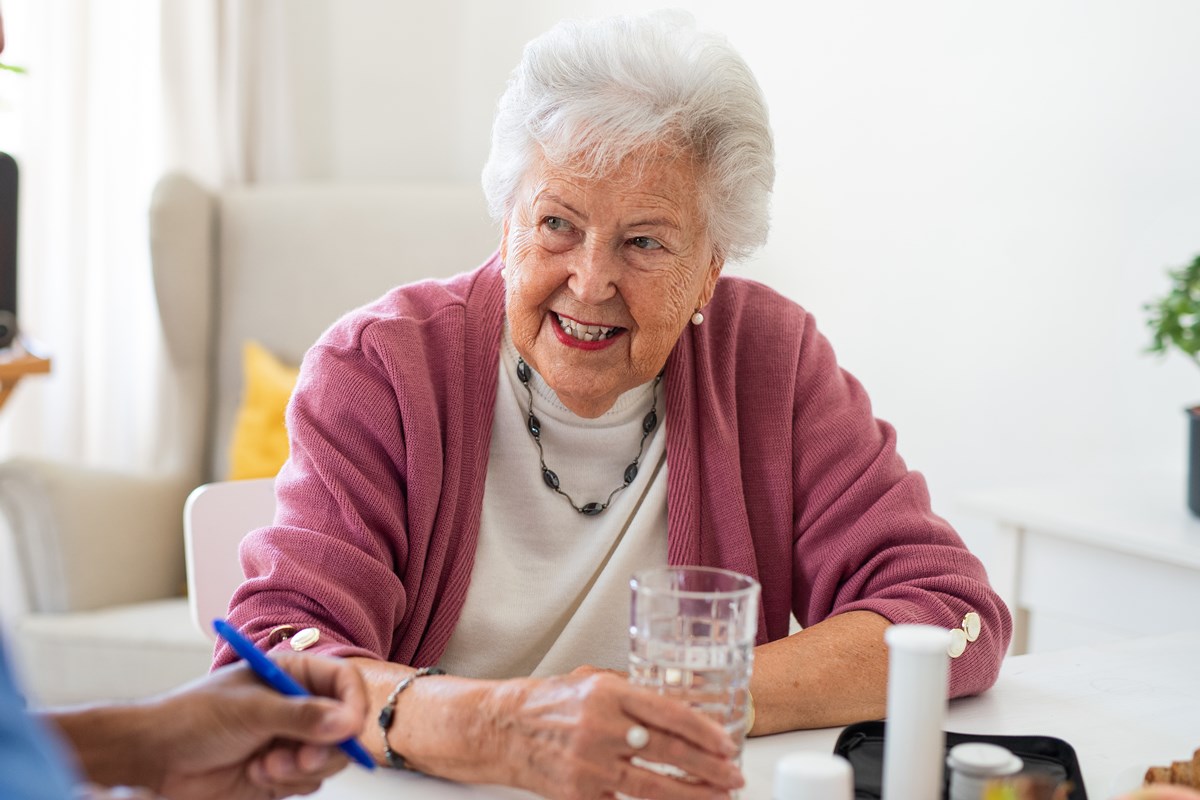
{"type": "Point", "coordinates": [1108, 557]}
{"type": "Point", "coordinates": [1123, 705]}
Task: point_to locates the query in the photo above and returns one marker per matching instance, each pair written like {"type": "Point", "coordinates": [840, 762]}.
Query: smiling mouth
{"type": "Point", "coordinates": [586, 333]}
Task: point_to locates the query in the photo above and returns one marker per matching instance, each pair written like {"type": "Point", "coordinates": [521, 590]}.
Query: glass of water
{"type": "Point", "coordinates": [691, 636]}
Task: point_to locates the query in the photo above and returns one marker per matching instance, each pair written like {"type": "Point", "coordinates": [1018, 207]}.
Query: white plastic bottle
{"type": "Point", "coordinates": [813, 776]}
{"type": "Point", "coordinates": [914, 744]}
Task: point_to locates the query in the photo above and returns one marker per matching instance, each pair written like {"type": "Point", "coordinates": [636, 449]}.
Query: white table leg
{"type": "Point", "coordinates": [1005, 574]}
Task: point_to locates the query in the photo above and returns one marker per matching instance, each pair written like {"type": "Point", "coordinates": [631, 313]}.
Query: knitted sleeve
{"type": "Point", "coordinates": [866, 537]}
{"type": "Point", "coordinates": [333, 558]}
{"type": "Point", "coordinates": [378, 505]}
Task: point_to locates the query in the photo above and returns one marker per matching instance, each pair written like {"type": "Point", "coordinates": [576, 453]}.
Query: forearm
{"type": "Point", "coordinates": [442, 725]}
{"type": "Point", "coordinates": [832, 673]}
{"type": "Point", "coordinates": [113, 744]}
{"type": "Point", "coordinates": [560, 737]}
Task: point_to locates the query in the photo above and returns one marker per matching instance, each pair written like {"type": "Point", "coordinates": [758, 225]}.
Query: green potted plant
{"type": "Point", "coordinates": [1175, 322]}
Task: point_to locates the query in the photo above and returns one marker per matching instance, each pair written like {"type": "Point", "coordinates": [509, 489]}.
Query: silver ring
{"type": "Point", "coordinates": [637, 737]}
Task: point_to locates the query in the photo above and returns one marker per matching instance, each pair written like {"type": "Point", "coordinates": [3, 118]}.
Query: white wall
{"type": "Point", "coordinates": [974, 199]}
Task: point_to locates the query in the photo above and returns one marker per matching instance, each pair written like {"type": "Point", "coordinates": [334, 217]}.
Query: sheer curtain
{"type": "Point", "coordinates": [229, 87]}
{"type": "Point", "coordinates": [119, 91]}
{"type": "Point", "coordinates": [84, 126]}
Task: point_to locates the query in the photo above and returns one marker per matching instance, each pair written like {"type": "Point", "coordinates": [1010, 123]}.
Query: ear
{"type": "Point", "coordinates": [504, 243]}
{"type": "Point", "coordinates": [710, 281]}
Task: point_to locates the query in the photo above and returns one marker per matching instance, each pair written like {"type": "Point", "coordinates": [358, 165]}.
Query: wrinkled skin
{"type": "Point", "coordinates": [630, 250]}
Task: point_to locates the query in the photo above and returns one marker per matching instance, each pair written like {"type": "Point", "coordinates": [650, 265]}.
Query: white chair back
{"type": "Point", "coordinates": [216, 518]}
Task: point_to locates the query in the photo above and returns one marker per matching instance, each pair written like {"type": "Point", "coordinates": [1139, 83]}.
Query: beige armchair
{"type": "Point", "coordinates": [91, 561]}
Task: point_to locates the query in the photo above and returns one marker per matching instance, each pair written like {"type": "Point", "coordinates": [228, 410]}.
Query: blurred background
{"type": "Point", "coordinates": [975, 200]}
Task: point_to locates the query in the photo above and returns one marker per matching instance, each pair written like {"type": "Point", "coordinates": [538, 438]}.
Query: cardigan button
{"type": "Point", "coordinates": [305, 639]}
{"type": "Point", "coordinates": [958, 642]}
{"type": "Point", "coordinates": [280, 633]}
{"type": "Point", "coordinates": [972, 625]}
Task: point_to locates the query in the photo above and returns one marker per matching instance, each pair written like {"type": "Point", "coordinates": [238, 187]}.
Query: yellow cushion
{"type": "Point", "coordinates": [260, 440]}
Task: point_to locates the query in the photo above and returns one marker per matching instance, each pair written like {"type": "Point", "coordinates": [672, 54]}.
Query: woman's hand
{"type": "Point", "coordinates": [1162, 793]}
{"type": "Point", "coordinates": [562, 737]}
{"type": "Point", "coordinates": [565, 737]}
{"type": "Point", "coordinates": [588, 669]}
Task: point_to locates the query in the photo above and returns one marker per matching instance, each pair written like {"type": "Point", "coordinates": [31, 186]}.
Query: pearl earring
{"type": "Point", "coordinates": [697, 318]}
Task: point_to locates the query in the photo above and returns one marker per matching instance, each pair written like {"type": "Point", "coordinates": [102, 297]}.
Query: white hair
{"type": "Point", "coordinates": [592, 92]}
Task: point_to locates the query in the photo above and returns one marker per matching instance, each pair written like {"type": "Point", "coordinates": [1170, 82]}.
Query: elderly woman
{"type": "Point", "coordinates": [478, 465]}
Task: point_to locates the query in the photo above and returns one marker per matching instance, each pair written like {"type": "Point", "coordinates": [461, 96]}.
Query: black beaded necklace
{"type": "Point", "coordinates": [649, 423]}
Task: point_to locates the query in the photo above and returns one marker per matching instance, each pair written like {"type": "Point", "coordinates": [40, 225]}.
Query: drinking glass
{"type": "Point", "coordinates": [691, 636]}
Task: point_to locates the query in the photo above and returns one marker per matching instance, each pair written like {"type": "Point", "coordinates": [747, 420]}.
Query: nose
{"type": "Point", "coordinates": [593, 273]}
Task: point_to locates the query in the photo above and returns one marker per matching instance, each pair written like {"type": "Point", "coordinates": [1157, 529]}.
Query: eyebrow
{"type": "Point", "coordinates": [651, 222]}
{"type": "Point", "coordinates": [553, 198]}
{"type": "Point", "coordinates": [656, 222]}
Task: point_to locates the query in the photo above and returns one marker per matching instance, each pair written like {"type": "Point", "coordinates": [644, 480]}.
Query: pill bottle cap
{"type": "Point", "coordinates": [983, 760]}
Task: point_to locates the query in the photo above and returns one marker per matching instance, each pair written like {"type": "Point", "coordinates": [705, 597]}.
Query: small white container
{"type": "Point", "coordinates": [973, 764]}
{"type": "Point", "coordinates": [813, 776]}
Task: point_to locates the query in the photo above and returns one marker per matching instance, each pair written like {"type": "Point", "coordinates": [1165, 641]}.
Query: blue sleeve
{"type": "Point", "coordinates": [33, 766]}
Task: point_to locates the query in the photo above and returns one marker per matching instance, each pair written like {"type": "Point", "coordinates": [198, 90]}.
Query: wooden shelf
{"type": "Point", "coordinates": [15, 363]}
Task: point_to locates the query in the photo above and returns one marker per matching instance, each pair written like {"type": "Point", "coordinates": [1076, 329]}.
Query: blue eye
{"type": "Point", "coordinates": [645, 243]}
{"type": "Point", "coordinates": [556, 224]}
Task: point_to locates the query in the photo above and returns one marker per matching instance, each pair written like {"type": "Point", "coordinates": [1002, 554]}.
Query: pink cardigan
{"type": "Point", "coordinates": [776, 468]}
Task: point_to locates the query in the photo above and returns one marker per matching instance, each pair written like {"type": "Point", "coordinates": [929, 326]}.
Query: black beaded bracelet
{"type": "Point", "coordinates": [388, 715]}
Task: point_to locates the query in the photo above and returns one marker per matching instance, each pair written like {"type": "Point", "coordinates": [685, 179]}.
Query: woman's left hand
{"type": "Point", "coordinates": [588, 669]}
{"type": "Point", "coordinates": [569, 737]}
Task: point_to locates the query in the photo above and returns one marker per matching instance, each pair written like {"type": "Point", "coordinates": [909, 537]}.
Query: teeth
{"type": "Point", "coordinates": [586, 333]}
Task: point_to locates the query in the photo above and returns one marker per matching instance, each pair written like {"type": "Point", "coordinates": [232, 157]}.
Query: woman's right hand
{"type": "Point", "coordinates": [565, 738]}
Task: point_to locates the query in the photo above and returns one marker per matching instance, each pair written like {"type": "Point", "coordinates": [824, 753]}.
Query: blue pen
{"type": "Point", "coordinates": [281, 681]}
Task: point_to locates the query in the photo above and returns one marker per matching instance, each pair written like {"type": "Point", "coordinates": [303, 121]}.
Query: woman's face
{"type": "Point", "coordinates": [603, 274]}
